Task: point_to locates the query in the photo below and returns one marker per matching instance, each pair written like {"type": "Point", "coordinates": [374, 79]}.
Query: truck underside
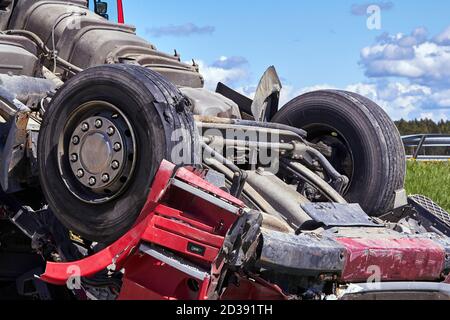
{"type": "Point", "coordinates": [123, 178]}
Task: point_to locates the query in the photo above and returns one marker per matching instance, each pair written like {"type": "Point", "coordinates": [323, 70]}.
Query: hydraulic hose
{"type": "Point", "coordinates": [38, 41]}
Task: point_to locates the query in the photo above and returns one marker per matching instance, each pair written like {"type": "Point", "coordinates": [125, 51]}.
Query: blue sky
{"type": "Point", "coordinates": [313, 44]}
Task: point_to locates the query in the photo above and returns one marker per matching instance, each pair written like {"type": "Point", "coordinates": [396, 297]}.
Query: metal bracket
{"type": "Point", "coordinates": [339, 215]}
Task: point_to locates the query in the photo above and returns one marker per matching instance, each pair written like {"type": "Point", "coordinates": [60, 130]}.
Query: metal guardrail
{"type": "Point", "coordinates": [421, 141]}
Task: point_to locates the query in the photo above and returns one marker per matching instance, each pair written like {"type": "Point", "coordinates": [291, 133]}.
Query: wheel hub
{"type": "Point", "coordinates": [96, 152]}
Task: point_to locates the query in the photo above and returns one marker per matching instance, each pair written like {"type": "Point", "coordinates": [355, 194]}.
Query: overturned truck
{"type": "Point", "coordinates": [123, 178]}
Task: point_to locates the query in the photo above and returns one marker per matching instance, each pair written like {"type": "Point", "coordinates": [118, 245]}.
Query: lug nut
{"type": "Point", "coordinates": [74, 157]}
{"type": "Point", "coordinates": [98, 124]}
{"type": "Point", "coordinates": [115, 165]}
{"type": "Point", "coordinates": [85, 127]}
{"type": "Point", "coordinates": [117, 147]}
{"type": "Point", "coordinates": [76, 140]}
{"type": "Point", "coordinates": [111, 131]}
{"type": "Point", "coordinates": [80, 173]}
{"type": "Point", "coordinates": [92, 181]}
{"type": "Point", "coordinates": [105, 178]}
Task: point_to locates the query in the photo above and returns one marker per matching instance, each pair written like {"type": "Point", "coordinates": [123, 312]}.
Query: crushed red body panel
{"type": "Point", "coordinates": [255, 289]}
{"type": "Point", "coordinates": [395, 259]}
{"type": "Point", "coordinates": [150, 279]}
{"type": "Point", "coordinates": [188, 177]}
{"type": "Point", "coordinates": [60, 273]}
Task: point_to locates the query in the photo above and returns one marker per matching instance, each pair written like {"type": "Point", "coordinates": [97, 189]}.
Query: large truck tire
{"type": "Point", "coordinates": [366, 144]}
{"type": "Point", "coordinates": [101, 143]}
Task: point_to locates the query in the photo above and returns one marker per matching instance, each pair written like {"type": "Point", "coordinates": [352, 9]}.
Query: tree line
{"type": "Point", "coordinates": [423, 127]}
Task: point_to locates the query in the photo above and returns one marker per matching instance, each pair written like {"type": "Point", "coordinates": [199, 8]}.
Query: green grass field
{"type": "Point", "coordinates": [431, 179]}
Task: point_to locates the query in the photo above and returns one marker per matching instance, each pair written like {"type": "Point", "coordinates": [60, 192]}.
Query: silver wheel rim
{"type": "Point", "coordinates": [97, 152]}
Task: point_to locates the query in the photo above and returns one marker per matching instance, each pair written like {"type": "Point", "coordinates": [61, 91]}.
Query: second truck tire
{"type": "Point", "coordinates": [366, 143]}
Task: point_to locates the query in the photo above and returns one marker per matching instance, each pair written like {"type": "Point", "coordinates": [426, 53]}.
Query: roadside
{"type": "Point", "coordinates": [431, 179]}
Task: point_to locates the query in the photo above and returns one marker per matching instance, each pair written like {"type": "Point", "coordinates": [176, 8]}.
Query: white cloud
{"type": "Point", "coordinates": [412, 74]}
{"type": "Point", "coordinates": [230, 71]}
{"type": "Point", "coordinates": [414, 57]}
{"type": "Point", "coordinates": [183, 30]}
{"type": "Point", "coordinates": [230, 62]}
{"type": "Point", "coordinates": [442, 98]}
{"type": "Point", "coordinates": [444, 37]}
{"type": "Point", "coordinates": [398, 99]}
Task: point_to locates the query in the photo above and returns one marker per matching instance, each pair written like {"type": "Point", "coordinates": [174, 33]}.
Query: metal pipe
{"type": "Point", "coordinates": [267, 125]}
{"type": "Point", "coordinates": [272, 219]}
{"type": "Point", "coordinates": [328, 167]}
{"type": "Point", "coordinates": [52, 77]}
{"type": "Point", "coordinates": [270, 125]}
{"type": "Point", "coordinates": [248, 190]}
{"type": "Point", "coordinates": [24, 88]}
{"type": "Point", "coordinates": [239, 176]}
{"type": "Point", "coordinates": [36, 39]}
{"type": "Point", "coordinates": [9, 105]}
{"type": "Point", "coordinates": [284, 199]}
{"type": "Point", "coordinates": [250, 144]}
{"type": "Point", "coordinates": [314, 180]}
{"type": "Point", "coordinates": [214, 154]}
{"type": "Point", "coordinates": [419, 147]}
{"type": "Point", "coordinates": [339, 180]}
